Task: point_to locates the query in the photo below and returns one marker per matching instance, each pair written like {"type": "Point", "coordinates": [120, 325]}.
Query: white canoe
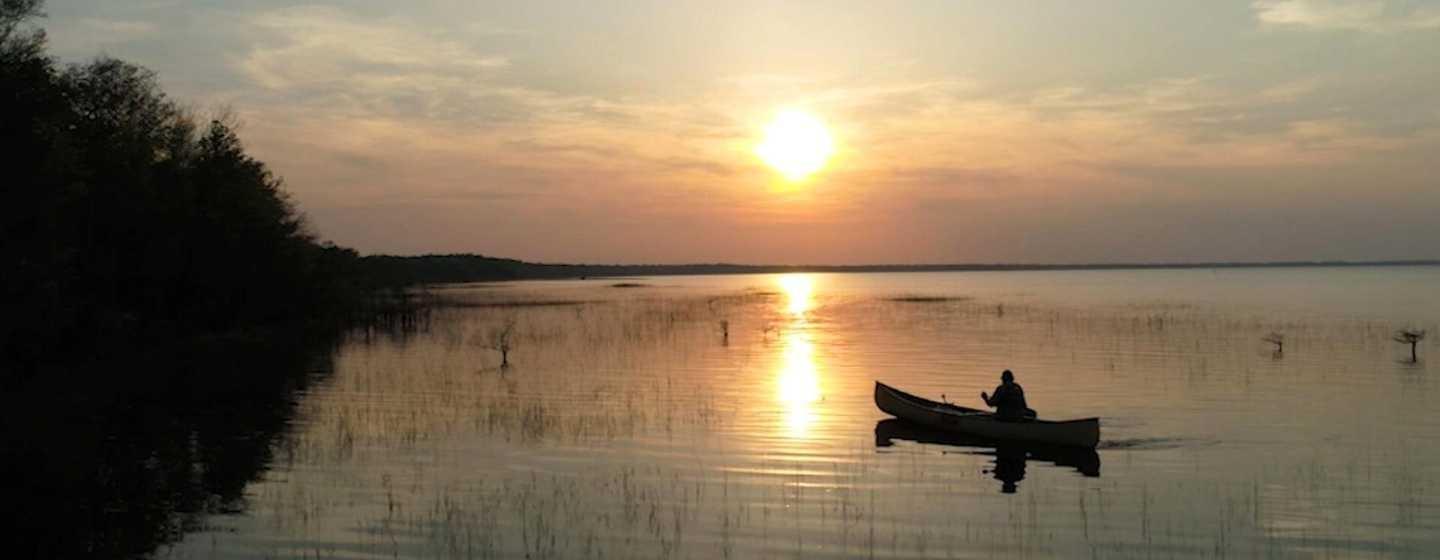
{"type": "Point", "coordinates": [1084, 432]}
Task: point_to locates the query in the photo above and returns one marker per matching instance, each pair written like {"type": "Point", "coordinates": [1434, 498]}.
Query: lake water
{"type": "Point", "coordinates": [732, 417]}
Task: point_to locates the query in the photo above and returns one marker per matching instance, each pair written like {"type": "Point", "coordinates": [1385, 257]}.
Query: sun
{"type": "Point", "coordinates": [796, 144]}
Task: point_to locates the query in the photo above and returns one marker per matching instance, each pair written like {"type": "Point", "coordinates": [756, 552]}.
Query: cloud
{"type": "Point", "coordinates": [86, 36]}
{"type": "Point", "coordinates": [1378, 16]}
{"type": "Point", "coordinates": [443, 115]}
{"type": "Point", "coordinates": [364, 114]}
{"type": "Point", "coordinates": [117, 29]}
{"type": "Point", "coordinates": [323, 47]}
{"type": "Point", "coordinates": [422, 99]}
{"type": "Point", "coordinates": [471, 126]}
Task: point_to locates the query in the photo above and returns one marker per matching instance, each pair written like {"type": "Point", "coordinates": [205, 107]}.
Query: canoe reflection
{"type": "Point", "coordinates": [1010, 458]}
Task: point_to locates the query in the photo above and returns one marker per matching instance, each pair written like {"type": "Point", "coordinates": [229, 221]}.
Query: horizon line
{"type": "Point", "coordinates": [944, 266]}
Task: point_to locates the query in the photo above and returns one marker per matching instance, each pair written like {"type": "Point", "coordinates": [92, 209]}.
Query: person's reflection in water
{"type": "Point", "coordinates": [1009, 468]}
{"type": "Point", "coordinates": [1010, 458]}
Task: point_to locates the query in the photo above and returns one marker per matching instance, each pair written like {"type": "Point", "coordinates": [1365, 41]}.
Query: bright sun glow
{"type": "Point", "coordinates": [799, 377]}
{"type": "Point", "coordinates": [799, 384]}
{"type": "Point", "coordinates": [798, 288]}
{"type": "Point", "coordinates": [796, 144]}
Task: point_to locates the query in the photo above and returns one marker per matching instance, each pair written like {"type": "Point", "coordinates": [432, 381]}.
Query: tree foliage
{"type": "Point", "coordinates": [125, 218]}
{"type": "Point", "coordinates": [1411, 337]}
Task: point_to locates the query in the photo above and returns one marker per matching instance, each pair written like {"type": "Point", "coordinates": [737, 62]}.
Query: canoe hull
{"type": "Point", "coordinates": [942, 416]}
{"type": "Point", "coordinates": [1082, 459]}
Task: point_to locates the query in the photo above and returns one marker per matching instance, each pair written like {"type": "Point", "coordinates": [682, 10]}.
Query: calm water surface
{"type": "Point", "coordinates": [731, 416]}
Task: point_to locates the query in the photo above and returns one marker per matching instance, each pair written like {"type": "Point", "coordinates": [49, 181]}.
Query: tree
{"type": "Point", "coordinates": [501, 338]}
{"type": "Point", "coordinates": [13, 12]}
{"type": "Point", "coordinates": [122, 220]}
{"type": "Point", "coordinates": [1411, 337]}
{"type": "Point", "coordinates": [34, 115]}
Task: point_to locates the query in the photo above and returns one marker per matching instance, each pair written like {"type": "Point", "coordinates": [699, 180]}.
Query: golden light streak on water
{"type": "Point", "coordinates": [799, 289]}
{"type": "Point", "coordinates": [799, 383]}
{"type": "Point", "coordinates": [798, 378]}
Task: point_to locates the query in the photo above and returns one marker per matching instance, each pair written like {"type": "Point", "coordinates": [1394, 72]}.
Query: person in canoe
{"type": "Point", "coordinates": [1009, 399]}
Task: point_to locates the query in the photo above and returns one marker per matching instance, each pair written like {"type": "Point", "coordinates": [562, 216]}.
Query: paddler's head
{"type": "Point", "coordinates": [1007, 377]}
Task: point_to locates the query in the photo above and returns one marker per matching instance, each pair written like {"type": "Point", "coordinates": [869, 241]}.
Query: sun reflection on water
{"type": "Point", "coordinates": [799, 383]}
{"type": "Point", "coordinates": [798, 378]}
{"type": "Point", "coordinates": [798, 289]}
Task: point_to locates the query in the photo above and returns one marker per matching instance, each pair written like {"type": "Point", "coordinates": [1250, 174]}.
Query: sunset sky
{"type": "Point", "coordinates": [1043, 132]}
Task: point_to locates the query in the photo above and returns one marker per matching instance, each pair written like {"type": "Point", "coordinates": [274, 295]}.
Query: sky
{"type": "Point", "coordinates": [964, 132]}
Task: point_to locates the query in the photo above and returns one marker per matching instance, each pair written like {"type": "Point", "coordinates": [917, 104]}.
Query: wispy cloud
{"type": "Point", "coordinates": [86, 35]}
{"type": "Point", "coordinates": [324, 46]}
{"type": "Point", "coordinates": [1355, 15]}
{"type": "Point", "coordinates": [117, 28]}
{"type": "Point", "coordinates": [581, 131]}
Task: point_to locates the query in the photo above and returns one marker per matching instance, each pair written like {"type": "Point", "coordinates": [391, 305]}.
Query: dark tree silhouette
{"type": "Point", "coordinates": [501, 338]}
{"type": "Point", "coordinates": [1411, 337]}
{"type": "Point", "coordinates": [125, 221]}
{"type": "Point", "coordinates": [162, 300]}
{"type": "Point", "coordinates": [13, 12]}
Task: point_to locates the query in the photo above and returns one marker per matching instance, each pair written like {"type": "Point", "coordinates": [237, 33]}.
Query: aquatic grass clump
{"type": "Point", "coordinates": [502, 304]}
{"type": "Point", "coordinates": [928, 299]}
{"type": "Point", "coordinates": [1278, 340]}
{"type": "Point", "coordinates": [1411, 337]}
{"type": "Point", "coordinates": [501, 338]}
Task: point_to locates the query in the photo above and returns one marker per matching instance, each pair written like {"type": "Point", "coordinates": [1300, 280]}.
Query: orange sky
{"type": "Point", "coordinates": [964, 132]}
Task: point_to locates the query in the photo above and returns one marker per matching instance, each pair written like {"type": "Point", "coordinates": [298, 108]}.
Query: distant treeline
{"type": "Point", "coordinates": [440, 269]}
{"type": "Point", "coordinates": [437, 269]}
{"type": "Point", "coordinates": [125, 218]}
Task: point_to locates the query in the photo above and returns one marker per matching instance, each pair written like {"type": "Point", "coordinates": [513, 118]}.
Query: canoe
{"type": "Point", "coordinates": [1084, 432]}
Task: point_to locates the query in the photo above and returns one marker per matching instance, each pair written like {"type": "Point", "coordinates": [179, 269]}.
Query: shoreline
{"type": "Point", "coordinates": [459, 268]}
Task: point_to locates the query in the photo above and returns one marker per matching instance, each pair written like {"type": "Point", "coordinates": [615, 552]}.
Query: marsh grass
{"type": "Point", "coordinates": [626, 428]}
{"type": "Point", "coordinates": [927, 299]}
{"type": "Point", "coordinates": [502, 304]}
